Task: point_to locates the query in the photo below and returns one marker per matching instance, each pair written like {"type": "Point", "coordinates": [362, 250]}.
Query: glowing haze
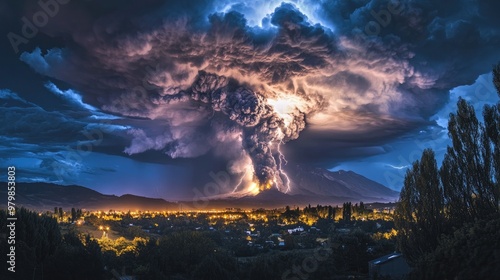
{"type": "Point", "coordinates": [240, 81]}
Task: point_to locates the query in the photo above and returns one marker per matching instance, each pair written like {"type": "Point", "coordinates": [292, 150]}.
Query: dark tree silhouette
{"type": "Point", "coordinates": [73, 214]}
{"type": "Point", "coordinates": [429, 216]}
{"type": "Point", "coordinates": [419, 213]}
{"type": "Point", "coordinates": [496, 77]}
{"type": "Point", "coordinates": [468, 170]}
{"type": "Point", "coordinates": [471, 252]}
{"type": "Point", "coordinates": [347, 211]}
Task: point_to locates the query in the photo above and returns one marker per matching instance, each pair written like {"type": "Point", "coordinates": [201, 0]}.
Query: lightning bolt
{"type": "Point", "coordinates": [276, 183]}
{"type": "Point", "coordinates": [281, 156]}
{"type": "Point", "coordinates": [282, 159]}
{"type": "Point", "coordinates": [241, 181]}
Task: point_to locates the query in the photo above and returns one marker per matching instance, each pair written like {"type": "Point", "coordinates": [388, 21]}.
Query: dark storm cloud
{"type": "Point", "coordinates": [51, 141]}
{"type": "Point", "coordinates": [452, 42]}
{"type": "Point", "coordinates": [212, 79]}
{"type": "Point", "coordinates": [19, 119]}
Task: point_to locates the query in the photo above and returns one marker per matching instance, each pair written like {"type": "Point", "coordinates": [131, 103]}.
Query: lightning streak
{"type": "Point", "coordinates": [282, 159]}
{"type": "Point", "coordinates": [240, 182]}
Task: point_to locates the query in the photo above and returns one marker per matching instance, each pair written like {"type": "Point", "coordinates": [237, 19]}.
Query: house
{"type": "Point", "coordinates": [393, 265]}
{"type": "Point", "coordinates": [294, 230]}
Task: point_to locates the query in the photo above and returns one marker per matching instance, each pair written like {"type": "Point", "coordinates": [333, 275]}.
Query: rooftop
{"type": "Point", "coordinates": [385, 258]}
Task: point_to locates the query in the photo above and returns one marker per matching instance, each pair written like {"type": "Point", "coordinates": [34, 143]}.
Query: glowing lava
{"type": "Point", "coordinates": [266, 186]}
{"type": "Point", "coordinates": [254, 188]}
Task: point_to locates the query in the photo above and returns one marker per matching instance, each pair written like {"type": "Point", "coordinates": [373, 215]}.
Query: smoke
{"type": "Point", "coordinates": [209, 80]}
{"type": "Point", "coordinates": [246, 112]}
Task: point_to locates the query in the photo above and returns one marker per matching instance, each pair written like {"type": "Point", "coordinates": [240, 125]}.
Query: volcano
{"type": "Point", "coordinates": [322, 182]}
{"type": "Point", "coordinates": [309, 186]}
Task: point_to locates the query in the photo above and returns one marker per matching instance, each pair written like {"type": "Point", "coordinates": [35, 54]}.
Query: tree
{"type": "Point", "coordinates": [62, 264]}
{"type": "Point", "coordinates": [73, 214]}
{"type": "Point", "coordinates": [352, 256]}
{"type": "Point", "coordinates": [419, 213]}
{"type": "Point", "coordinates": [491, 115]}
{"type": "Point", "coordinates": [492, 130]}
{"type": "Point", "coordinates": [496, 77]}
{"type": "Point", "coordinates": [210, 268]}
{"type": "Point", "coordinates": [469, 194]}
{"type": "Point", "coordinates": [181, 251]}
{"type": "Point", "coordinates": [347, 211]}
{"type": "Point", "coordinates": [471, 252]}
{"type": "Point", "coordinates": [60, 213]}
{"type": "Point", "coordinates": [468, 169]}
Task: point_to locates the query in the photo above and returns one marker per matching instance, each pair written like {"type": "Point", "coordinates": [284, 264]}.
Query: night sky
{"type": "Point", "coordinates": [151, 97]}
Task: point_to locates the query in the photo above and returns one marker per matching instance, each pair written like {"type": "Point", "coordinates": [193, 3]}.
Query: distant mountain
{"type": "Point", "coordinates": [46, 196]}
{"type": "Point", "coordinates": [310, 186]}
{"type": "Point", "coordinates": [347, 184]}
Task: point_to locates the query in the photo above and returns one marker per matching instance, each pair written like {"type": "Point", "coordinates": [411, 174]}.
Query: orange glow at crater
{"type": "Point", "coordinates": [266, 186]}
{"type": "Point", "coordinates": [254, 188]}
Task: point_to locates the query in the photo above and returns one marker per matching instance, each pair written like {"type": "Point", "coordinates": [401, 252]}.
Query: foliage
{"type": "Point", "coordinates": [347, 211]}
{"type": "Point", "coordinates": [471, 252]}
{"type": "Point", "coordinates": [42, 252]}
{"type": "Point", "coordinates": [120, 245]}
{"type": "Point", "coordinates": [496, 77]}
{"type": "Point", "coordinates": [419, 213]}
{"type": "Point", "coordinates": [74, 260]}
{"type": "Point", "coordinates": [350, 252]}
{"type": "Point", "coordinates": [468, 170]}
{"type": "Point", "coordinates": [215, 267]}
{"type": "Point", "coordinates": [442, 218]}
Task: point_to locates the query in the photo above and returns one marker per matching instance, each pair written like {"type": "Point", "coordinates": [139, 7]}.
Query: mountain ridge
{"type": "Point", "coordinates": [310, 186]}
{"type": "Point", "coordinates": [320, 181]}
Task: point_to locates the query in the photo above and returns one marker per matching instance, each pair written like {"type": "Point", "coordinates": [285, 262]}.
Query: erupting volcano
{"type": "Point", "coordinates": [151, 98]}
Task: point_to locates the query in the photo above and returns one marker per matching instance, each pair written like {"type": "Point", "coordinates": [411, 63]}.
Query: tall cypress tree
{"type": "Point", "coordinates": [466, 188]}
{"type": "Point", "coordinates": [496, 77]}
{"type": "Point", "coordinates": [468, 170]}
{"type": "Point", "coordinates": [347, 211]}
{"type": "Point", "coordinates": [73, 214]}
{"type": "Point", "coordinates": [491, 116]}
{"type": "Point", "coordinates": [419, 213]}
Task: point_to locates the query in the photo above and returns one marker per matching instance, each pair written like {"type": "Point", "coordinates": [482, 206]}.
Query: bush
{"type": "Point", "coordinates": [471, 252]}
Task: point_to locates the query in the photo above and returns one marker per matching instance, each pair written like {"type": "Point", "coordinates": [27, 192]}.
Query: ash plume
{"type": "Point", "coordinates": [260, 126]}
{"type": "Point", "coordinates": [242, 80]}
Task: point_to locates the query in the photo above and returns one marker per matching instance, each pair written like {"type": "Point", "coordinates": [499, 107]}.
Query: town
{"type": "Point", "coordinates": [356, 232]}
